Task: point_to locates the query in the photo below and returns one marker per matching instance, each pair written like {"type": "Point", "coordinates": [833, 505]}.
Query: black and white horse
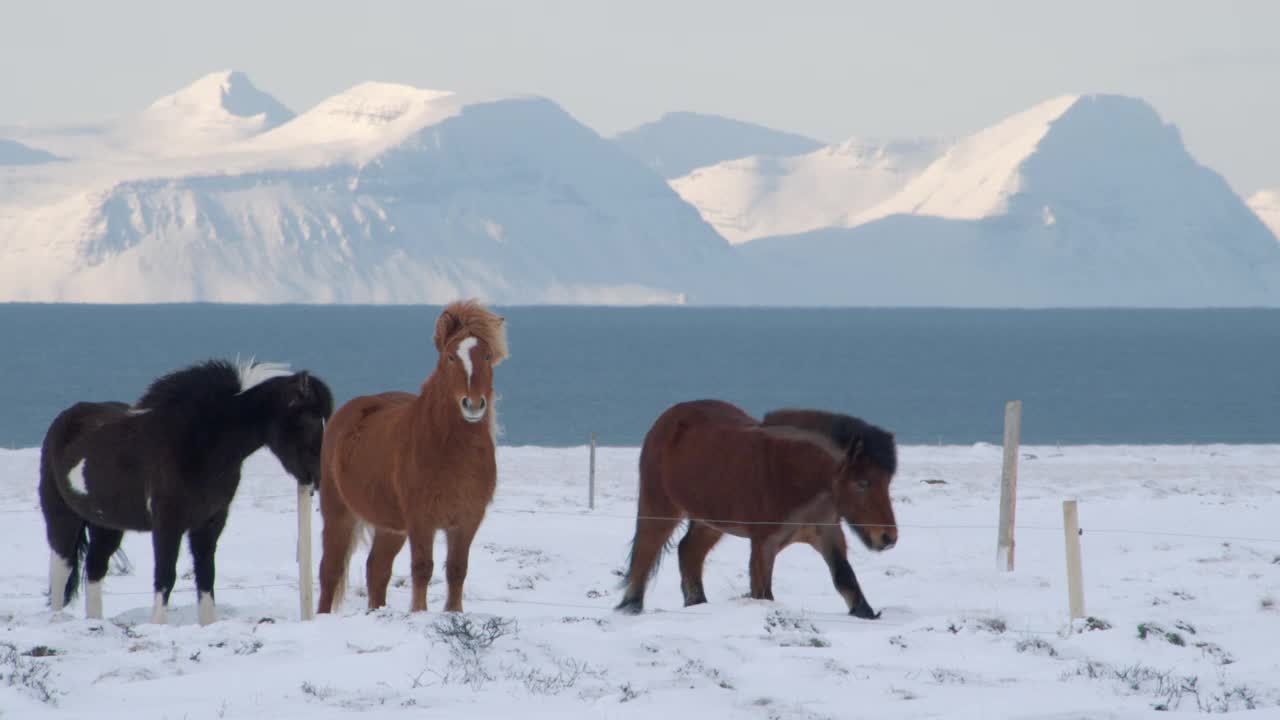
{"type": "Point", "coordinates": [169, 465]}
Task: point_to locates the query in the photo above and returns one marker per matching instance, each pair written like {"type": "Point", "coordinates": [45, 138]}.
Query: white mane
{"type": "Point", "coordinates": [252, 374]}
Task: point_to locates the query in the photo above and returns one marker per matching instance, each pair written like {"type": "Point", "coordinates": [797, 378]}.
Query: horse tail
{"type": "Point", "coordinates": [652, 506]}
{"type": "Point", "coordinates": [360, 532]}
{"type": "Point", "coordinates": [67, 532]}
{"type": "Point", "coordinates": [77, 563]}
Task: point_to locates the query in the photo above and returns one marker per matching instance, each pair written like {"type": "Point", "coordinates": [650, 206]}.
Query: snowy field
{"type": "Point", "coordinates": [1181, 582]}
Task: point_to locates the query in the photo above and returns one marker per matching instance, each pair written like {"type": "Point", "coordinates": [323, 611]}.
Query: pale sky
{"type": "Point", "coordinates": [831, 70]}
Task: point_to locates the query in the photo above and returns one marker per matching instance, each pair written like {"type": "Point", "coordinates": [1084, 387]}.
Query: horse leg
{"type": "Point", "coordinates": [204, 544]}
{"type": "Point", "coordinates": [66, 533]}
{"type": "Point", "coordinates": [455, 565]}
{"type": "Point", "coordinates": [103, 543]}
{"type": "Point", "coordinates": [377, 568]}
{"type": "Point", "coordinates": [165, 542]}
{"type": "Point", "coordinates": [693, 550]}
{"type": "Point", "coordinates": [652, 533]}
{"type": "Point", "coordinates": [421, 564]}
{"type": "Point", "coordinates": [338, 540]}
{"type": "Point", "coordinates": [830, 543]}
{"type": "Point", "coordinates": [763, 552]}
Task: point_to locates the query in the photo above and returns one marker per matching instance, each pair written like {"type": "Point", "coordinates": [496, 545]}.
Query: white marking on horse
{"type": "Point", "coordinates": [464, 354]}
{"type": "Point", "coordinates": [159, 613]}
{"type": "Point", "coordinates": [59, 573]}
{"type": "Point", "coordinates": [75, 478]}
{"type": "Point", "coordinates": [252, 374]}
{"type": "Point", "coordinates": [205, 610]}
{"type": "Point", "coordinates": [93, 601]}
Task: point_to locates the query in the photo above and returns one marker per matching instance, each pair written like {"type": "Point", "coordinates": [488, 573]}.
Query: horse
{"type": "Point", "coordinates": [712, 464]}
{"type": "Point", "coordinates": [408, 465]}
{"type": "Point", "coordinates": [169, 465]}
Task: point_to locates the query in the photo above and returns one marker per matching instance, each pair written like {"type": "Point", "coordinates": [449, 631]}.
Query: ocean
{"type": "Point", "coordinates": [932, 376]}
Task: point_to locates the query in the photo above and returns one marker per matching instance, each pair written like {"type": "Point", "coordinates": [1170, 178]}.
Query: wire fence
{"type": "Point", "coordinates": [596, 515]}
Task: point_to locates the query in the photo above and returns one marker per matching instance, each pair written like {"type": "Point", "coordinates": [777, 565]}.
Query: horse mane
{"type": "Point", "coordinates": [474, 319]}
{"type": "Point", "coordinates": [877, 443]}
{"type": "Point", "coordinates": [208, 381]}
{"type": "Point", "coordinates": [880, 446]}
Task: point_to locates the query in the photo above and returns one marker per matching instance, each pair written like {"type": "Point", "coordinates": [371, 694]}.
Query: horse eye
{"type": "Point", "coordinates": [452, 358]}
{"type": "Point", "coordinates": [488, 357]}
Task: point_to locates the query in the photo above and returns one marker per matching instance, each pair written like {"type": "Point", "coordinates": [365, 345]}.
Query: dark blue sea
{"type": "Point", "coordinates": [931, 376]}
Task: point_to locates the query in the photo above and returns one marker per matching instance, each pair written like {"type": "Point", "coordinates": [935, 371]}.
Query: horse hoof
{"type": "Point", "coordinates": [630, 607]}
{"type": "Point", "coordinates": [865, 612]}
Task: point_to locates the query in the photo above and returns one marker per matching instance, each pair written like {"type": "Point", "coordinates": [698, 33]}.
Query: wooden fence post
{"type": "Point", "coordinates": [304, 553]}
{"type": "Point", "coordinates": [1075, 581]}
{"type": "Point", "coordinates": [591, 476]}
{"type": "Point", "coordinates": [1008, 485]}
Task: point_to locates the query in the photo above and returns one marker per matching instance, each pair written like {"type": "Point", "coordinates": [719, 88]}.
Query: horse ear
{"type": "Point", "coordinates": [301, 389]}
{"type": "Point", "coordinates": [446, 325]}
{"type": "Point", "coordinates": [855, 448]}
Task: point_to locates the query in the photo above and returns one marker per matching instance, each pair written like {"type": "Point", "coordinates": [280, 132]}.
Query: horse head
{"type": "Point", "coordinates": [471, 341]}
{"type": "Point", "coordinates": [861, 487]}
{"type": "Point", "coordinates": [301, 405]}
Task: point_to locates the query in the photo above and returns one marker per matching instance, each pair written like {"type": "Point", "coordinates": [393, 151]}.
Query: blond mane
{"type": "Point", "coordinates": [474, 319]}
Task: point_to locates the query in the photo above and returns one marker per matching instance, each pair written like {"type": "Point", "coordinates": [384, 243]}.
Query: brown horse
{"type": "Point", "coordinates": [711, 463]}
{"type": "Point", "coordinates": [409, 465]}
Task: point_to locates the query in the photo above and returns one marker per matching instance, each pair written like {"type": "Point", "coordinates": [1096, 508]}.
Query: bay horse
{"type": "Point", "coordinates": [408, 465]}
{"type": "Point", "coordinates": [169, 465]}
{"type": "Point", "coordinates": [712, 464]}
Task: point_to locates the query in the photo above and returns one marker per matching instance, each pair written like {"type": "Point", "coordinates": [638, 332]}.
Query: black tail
{"type": "Point", "coordinates": [77, 562]}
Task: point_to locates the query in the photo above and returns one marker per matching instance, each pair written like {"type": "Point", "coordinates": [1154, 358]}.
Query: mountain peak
{"type": "Point", "coordinates": [380, 113]}
{"type": "Point", "coordinates": [219, 96]}
{"type": "Point", "coordinates": [679, 142]}
{"type": "Point", "coordinates": [1073, 135]}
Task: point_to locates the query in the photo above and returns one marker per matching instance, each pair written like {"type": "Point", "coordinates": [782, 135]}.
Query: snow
{"type": "Point", "coordinates": [976, 177]}
{"type": "Point", "coordinates": [1086, 201]}
{"type": "Point", "coordinates": [1266, 203]}
{"type": "Point", "coordinates": [363, 120]}
{"type": "Point", "coordinates": [764, 195]}
{"type": "Point", "coordinates": [386, 193]}
{"type": "Point", "coordinates": [381, 194]}
{"type": "Point", "coordinates": [1179, 544]}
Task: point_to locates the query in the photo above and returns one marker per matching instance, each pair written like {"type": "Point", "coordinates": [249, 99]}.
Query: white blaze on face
{"type": "Point", "coordinates": [464, 354]}
{"type": "Point", "coordinates": [75, 478]}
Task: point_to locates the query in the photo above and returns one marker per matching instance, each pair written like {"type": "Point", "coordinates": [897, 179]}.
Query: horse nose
{"type": "Point", "coordinates": [466, 403]}
{"type": "Point", "coordinates": [888, 539]}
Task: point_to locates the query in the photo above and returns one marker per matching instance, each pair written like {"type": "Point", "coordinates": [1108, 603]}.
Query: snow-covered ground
{"type": "Point", "coordinates": [957, 639]}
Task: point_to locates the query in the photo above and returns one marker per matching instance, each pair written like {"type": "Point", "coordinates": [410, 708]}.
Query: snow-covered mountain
{"type": "Point", "coordinates": [391, 194]}
{"type": "Point", "coordinates": [678, 142]}
{"type": "Point", "coordinates": [15, 153]}
{"type": "Point", "coordinates": [765, 195]}
{"type": "Point", "coordinates": [1079, 201]}
{"type": "Point", "coordinates": [384, 193]}
{"type": "Point", "coordinates": [1266, 204]}
{"type": "Point", "coordinates": [218, 109]}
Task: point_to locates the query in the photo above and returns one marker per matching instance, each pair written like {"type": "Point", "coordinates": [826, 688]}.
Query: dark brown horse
{"type": "Point", "coordinates": [409, 465]}
{"type": "Point", "coordinates": [711, 463]}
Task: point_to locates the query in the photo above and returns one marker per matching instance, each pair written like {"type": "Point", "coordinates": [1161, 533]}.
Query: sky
{"type": "Point", "coordinates": [830, 70]}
